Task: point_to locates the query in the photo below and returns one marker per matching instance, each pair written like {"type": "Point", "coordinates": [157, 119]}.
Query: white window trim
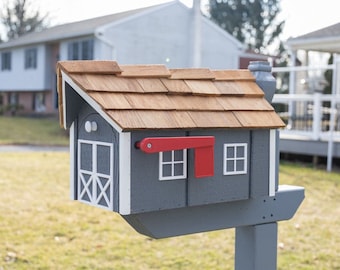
{"type": "Point", "coordinates": [173, 162]}
{"type": "Point", "coordinates": [225, 159]}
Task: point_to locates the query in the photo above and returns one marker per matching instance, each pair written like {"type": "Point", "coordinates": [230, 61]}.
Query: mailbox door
{"type": "Point", "coordinates": [96, 144]}
{"type": "Point", "coordinates": [158, 180]}
{"type": "Point", "coordinates": [231, 173]}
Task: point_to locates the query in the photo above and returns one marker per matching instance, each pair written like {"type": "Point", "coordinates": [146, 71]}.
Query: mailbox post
{"type": "Point", "coordinates": [179, 151]}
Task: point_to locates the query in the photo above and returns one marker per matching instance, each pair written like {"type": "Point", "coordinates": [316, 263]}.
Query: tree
{"type": "Point", "coordinates": [18, 19]}
{"type": "Point", "coordinates": [253, 22]}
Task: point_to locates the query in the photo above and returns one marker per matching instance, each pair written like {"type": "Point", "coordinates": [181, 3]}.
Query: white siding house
{"type": "Point", "coordinates": [162, 34]}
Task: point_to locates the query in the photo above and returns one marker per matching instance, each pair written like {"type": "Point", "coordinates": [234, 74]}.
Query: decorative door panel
{"type": "Point", "coordinates": [95, 173]}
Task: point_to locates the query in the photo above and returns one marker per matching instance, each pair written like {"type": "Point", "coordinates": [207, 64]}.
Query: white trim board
{"type": "Point", "coordinates": [272, 162]}
{"type": "Point", "coordinates": [125, 173]}
{"type": "Point", "coordinates": [88, 99]}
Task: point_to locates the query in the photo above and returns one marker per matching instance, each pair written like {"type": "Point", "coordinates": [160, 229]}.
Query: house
{"type": "Point", "coordinates": [135, 129]}
{"type": "Point", "coordinates": [162, 34]}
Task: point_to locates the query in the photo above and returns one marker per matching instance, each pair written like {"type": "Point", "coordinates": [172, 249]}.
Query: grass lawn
{"type": "Point", "coordinates": [36, 131]}
{"type": "Point", "coordinates": [42, 229]}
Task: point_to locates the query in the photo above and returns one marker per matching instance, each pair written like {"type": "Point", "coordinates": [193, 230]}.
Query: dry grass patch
{"type": "Point", "coordinates": [42, 229]}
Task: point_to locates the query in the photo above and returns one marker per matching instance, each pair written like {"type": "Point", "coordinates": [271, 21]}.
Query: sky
{"type": "Point", "coordinates": [302, 16]}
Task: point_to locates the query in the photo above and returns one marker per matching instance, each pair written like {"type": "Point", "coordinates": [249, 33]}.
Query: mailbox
{"type": "Point", "coordinates": [174, 151]}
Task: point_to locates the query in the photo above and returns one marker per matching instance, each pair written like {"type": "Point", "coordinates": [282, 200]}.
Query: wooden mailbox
{"type": "Point", "coordinates": [175, 151]}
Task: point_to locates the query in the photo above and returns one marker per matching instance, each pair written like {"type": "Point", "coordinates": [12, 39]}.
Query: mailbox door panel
{"type": "Point", "coordinates": [96, 149]}
{"type": "Point", "coordinates": [158, 181]}
{"type": "Point", "coordinates": [231, 171]}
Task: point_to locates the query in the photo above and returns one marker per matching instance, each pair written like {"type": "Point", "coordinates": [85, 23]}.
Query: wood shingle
{"type": "Point", "coordinates": [154, 97]}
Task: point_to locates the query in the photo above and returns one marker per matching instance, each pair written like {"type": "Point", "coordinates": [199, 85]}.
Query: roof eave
{"type": "Point", "coordinates": [327, 44]}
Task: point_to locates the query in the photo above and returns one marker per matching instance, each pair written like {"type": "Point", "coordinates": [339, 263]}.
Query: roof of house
{"type": "Point", "coordinates": [325, 40]}
{"type": "Point", "coordinates": [74, 29]}
{"type": "Point", "coordinates": [90, 26]}
{"type": "Point", "coordinates": [329, 31]}
{"type": "Point", "coordinates": [155, 97]}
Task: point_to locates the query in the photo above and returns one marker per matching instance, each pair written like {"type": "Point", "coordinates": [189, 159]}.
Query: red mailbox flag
{"type": "Point", "coordinates": [203, 146]}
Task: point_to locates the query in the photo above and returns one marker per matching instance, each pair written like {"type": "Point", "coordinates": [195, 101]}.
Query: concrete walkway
{"type": "Point", "coordinates": [33, 148]}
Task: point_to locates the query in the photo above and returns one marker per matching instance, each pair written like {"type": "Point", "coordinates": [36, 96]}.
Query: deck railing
{"type": "Point", "coordinates": [309, 115]}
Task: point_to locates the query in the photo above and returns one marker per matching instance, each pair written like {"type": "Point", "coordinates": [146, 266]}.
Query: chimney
{"type": "Point", "coordinates": [196, 34]}
{"type": "Point", "coordinates": [264, 78]}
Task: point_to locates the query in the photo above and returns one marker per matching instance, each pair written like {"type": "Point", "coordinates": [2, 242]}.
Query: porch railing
{"type": "Point", "coordinates": [309, 115]}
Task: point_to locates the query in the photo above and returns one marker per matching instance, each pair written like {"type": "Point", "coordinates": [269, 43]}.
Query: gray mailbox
{"type": "Point", "coordinates": [178, 151]}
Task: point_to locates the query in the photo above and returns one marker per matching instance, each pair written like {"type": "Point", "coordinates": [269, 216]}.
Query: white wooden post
{"type": "Point", "coordinates": [332, 115]}
{"type": "Point", "coordinates": [292, 89]}
{"type": "Point", "coordinates": [317, 115]}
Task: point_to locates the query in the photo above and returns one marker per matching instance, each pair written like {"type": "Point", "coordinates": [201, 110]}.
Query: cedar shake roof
{"type": "Point", "coordinates": [154, 97]}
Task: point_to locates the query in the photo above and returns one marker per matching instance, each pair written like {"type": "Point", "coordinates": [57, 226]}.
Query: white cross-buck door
{"type": "Point", "coordinates": [95, 173]}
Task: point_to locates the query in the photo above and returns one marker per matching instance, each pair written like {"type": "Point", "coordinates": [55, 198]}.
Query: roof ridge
{"type": "Point", "coordinates": [90, 67]}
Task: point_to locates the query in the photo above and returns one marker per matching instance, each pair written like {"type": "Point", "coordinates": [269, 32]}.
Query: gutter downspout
{"type": "Point", "coordinates": [100, 35]}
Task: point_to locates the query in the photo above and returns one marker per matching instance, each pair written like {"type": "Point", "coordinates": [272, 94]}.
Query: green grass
{"type": "Point", "coordinates": [42, 229]}
{"type": "Point", "coordinates": [35, 131]}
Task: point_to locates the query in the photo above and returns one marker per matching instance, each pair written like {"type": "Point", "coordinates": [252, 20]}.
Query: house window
{"type": "Point", "coordinates": [31, 58]}
{"type": "Point", "coordinates": [13, 99]}
{"type": "Point", "coordinates": [95, 173]}
{"type": "Point", "coordinates": [235, 158]}
{"type": "Point", "coordinates": [6, 61]}
{"type": "Point", "coordinates": [81, 50]}
{"type": "Point", "coordinates": [173, 165]}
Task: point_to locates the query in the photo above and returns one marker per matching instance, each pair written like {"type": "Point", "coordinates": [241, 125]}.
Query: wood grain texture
{"type": "Point", "coordinates": [193, 74]}
{"type": "Point", "coordinates": [145, 119]}
{"type": "Point", "coordinates": [60, 97]}
{"type": "Point", "coordinates": [214, 119]}
{"type": "Point", "coordinates": [146, 71]}
{"type": "Point", "coordinates": [250, 89]}
{"type": "Point", "coordinates": [107, 83]}
{"type": "Point", "coordinates": [229, 88]}
{"type": "Point", "coordinates": [152, 85]}
{"type": "Point", "coordinates": [202, 87]}
{"type": "Point", "coordinates": [195, 103]}
{"type": "Point", "coordinates": [244, 104]}
{"type": "Point", "coordinates": [154, 97]}
{"type": "Point", "coordinates": [256, 119]}
{"type": "Point", "coordinates": [111, 100]}
{"type": "Point", "coordinates": [233, 75]}
{"type": "Point", "coordinates": [150, 102]}
{"type": "Point", "coordinates": [176, 86]}
{"type": "Point", "coordinates": [90, 66]}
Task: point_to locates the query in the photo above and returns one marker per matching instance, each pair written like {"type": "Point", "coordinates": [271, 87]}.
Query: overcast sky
{"type": "Point", "coordinates": [302, 16]}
